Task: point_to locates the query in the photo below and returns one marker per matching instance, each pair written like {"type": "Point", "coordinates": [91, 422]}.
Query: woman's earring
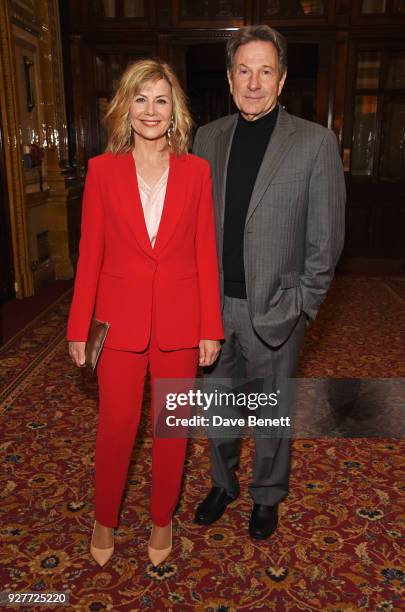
{"type": "Point", "coordinates": [169, 132]}
{"type": "Point", "coordinates": [130, 132]}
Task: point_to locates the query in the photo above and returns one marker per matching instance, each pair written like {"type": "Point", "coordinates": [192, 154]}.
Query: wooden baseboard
{"type": "Point", "coordinates": [371, 266]}
{"type": "Point", "coordinates": [43, 274]}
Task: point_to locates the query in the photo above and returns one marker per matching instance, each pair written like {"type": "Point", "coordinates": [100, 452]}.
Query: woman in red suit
{"type": "Point", "coordinates": [148, 266]}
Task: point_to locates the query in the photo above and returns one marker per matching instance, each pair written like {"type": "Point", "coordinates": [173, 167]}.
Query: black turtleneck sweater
{"type": "Point", "coordinates": [249, 144]}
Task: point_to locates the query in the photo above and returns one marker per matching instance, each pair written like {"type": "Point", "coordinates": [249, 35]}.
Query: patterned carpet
{"type": "Point", "coordinates": [338, 544]}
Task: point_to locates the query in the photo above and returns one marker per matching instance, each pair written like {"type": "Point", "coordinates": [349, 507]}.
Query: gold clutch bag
{"type": "Point", "coordinates": [95, 341]}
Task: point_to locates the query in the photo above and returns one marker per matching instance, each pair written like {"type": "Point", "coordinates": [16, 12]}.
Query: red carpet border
{"type": "Point", "coordinates": [338, 544]}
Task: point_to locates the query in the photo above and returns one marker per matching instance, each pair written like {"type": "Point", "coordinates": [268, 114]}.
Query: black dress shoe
{"type": "Point", "coordinates": [263, 521]}
{"type": "Point", "coordinates": [213, 506]}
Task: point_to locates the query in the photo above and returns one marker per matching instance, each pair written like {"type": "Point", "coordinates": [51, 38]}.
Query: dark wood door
{"type": "Point", "coordinates": [375, 149]}
{"type": "Point", "coordinates": [208, 91]}
{"type": "Point", "coordinates": [207, 85]}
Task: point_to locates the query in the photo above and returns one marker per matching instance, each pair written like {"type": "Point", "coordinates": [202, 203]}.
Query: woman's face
{"type": "Point", "coordinates": [151, 110]}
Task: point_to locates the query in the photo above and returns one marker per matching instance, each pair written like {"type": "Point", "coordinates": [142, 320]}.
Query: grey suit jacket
{"type": "Point", "coordinates": [294, 230]}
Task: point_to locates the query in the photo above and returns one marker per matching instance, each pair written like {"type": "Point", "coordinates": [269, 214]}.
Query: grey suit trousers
{"type": "Point", "coordinates": [245, 355]}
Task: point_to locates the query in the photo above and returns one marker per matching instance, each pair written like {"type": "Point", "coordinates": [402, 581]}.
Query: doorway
{"type": "Point", "coordinates": [208, 90]}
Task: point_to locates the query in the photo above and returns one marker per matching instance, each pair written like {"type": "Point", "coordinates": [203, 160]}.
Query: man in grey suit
{"type": "Point", "coordinates": [279, 194]}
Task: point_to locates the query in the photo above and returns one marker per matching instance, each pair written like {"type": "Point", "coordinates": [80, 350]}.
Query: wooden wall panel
{"type": "Point", "coordinates": [175, 30]}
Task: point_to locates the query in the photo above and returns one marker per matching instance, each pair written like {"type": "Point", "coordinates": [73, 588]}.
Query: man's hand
{"type": "Point", "coordinates": [209, 351]}
{"type": "Point", "coordinates": [76, 352]}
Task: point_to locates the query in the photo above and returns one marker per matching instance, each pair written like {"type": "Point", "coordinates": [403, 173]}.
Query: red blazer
{"type": "Point", "coordinates": [119, 274]}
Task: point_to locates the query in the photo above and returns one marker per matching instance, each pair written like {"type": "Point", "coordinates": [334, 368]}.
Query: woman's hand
{"type": "Point", "coordinates": [76, 352]}
{"type": "Point", "coordinates": [209, 351]}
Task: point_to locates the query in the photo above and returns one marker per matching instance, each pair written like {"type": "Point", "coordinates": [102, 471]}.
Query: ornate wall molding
{"type": "Point", "coordinates": [56, 150]}
{"type": "Point", "coordinates": [50, 41]}
{"type": "Point", "coordinates": [12, 153]}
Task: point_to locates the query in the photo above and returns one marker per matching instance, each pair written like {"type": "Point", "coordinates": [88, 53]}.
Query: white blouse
{"type": "Point", "coordinates": [152, 203]}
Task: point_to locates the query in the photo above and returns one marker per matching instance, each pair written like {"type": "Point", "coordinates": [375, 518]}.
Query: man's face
{"type": "Point", "coordinates": [255, 82]}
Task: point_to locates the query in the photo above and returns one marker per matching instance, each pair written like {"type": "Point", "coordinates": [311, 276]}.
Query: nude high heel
{"type": "Point", "coordinates": [101, 555]}
{"type": "Point", "coordinates": [158, 555]}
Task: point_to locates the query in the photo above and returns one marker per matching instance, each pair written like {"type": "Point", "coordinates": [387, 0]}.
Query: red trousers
{"type": "Point", "coordinates": [121, 377]}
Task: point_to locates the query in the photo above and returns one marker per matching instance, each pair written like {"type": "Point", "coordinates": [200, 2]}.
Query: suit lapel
{"type": "Point", "coordinates": [278, 147]}
{"type": "Point", "coordinates": [175, 198]}
{"type": "Point", "coordinates": [172, 207]}
{"type": "Point", "coordinates": [223, 148]}
{"type": "Point", "coordinates": [131, 202]}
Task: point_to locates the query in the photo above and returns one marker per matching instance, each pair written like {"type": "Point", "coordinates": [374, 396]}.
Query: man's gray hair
{"type": "Point", "coordinates": [249, 34]}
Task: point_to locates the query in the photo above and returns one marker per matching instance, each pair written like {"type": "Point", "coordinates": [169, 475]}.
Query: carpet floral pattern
{"type": "Point", "coordinates": [338, 545]}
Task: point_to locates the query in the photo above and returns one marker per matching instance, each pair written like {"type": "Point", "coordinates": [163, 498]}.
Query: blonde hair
{"type": "Point", "coordinates": [117, 119]}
